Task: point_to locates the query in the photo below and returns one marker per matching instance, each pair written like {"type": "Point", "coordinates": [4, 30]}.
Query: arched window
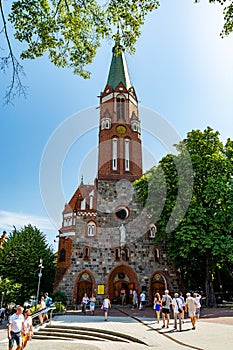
{"type": "Point", "coordinates": [114, 154]}
{"type": "Point", "coordinates": [126, 155]}
{"type": "Point", "coordinates": [86, 253]}
{"type": "Point", "coordinates": [91, 229]}
{"type": "Point", "coordinates": [127, 254]}
{"type": "Point", "coordinates": [117, 254]}
{"type": "Point", "coordinates": [62, 255]}
{"type": "Point", "coordinates": [152, 231]}
{"type": "Point", "coordinates": [120, 108]}
{"type": "Point", "coordinates": [156, 255]}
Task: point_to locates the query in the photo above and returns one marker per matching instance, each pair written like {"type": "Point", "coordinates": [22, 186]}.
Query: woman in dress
{"type": "Point", "coordinates": [42, 306]}
{"type": "Point", "coordinates": [92, 304]}
{"type": "Point", "coordinates": [157, 306]}
{"type": "Point", "coordinates": [28, 328]}
{"type": "Point", "coordinates": [106, 307]}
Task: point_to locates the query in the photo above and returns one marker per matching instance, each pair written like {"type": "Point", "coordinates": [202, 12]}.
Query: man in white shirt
{"type": "Point", "coordinates": [177, 306]}
{"type": "Point", "coordinates": [15, 326]}
{"type": "Point", "coordinates": [142, 300]}
{"type": "Point", "coordinates": [191, 305]}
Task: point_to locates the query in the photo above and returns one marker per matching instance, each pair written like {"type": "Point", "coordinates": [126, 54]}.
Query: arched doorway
{"type": "Point", "coordinates": [158, 284]}
{"type": "Point", "coordinates": [84, 284]}
{"type": "Point", "coordinates": [122, 276]}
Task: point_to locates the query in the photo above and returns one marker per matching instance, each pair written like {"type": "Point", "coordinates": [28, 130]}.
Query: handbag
{"type": "Point", "coordinates": [179, 309]}
{"type": "Point", "coordinates": [102, 307]}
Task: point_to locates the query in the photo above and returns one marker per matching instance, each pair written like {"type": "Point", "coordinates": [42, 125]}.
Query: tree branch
{"type": "Point", "coordinates": [16, 88]}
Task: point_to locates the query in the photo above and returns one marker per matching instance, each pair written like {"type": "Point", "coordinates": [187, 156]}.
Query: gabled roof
{"type": "Point", "coordinates": [118, 70]}
{"type": "Point", "coordinates": [82, 192]}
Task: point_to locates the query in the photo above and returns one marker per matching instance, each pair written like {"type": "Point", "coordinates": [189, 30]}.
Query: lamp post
{"type": "Point", "coordinates": [39, 276]}
{"type": "Point", "coordinates": [2, 299]}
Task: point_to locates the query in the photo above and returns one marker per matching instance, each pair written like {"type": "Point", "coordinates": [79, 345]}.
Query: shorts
{"type": "Point", "coordinates": [165, 310]}
{"type": "Point", "coordinates": [192, 313]}
{"type": "Point", "coordinates": [15, 337]}
{"type": "Point", "coordinates": [143, 302]}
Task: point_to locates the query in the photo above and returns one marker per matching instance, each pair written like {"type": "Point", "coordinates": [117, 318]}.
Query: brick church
{"type": "Point", "coordinates": [106, 241]}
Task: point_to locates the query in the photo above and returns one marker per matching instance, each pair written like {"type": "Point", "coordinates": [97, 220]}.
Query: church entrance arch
{"type": "Point", "coordinates": [85, 283]}
{"type": "Point", "coordinates": [158, 284]}
{"type": "Point", "coordinates": [122, 277]}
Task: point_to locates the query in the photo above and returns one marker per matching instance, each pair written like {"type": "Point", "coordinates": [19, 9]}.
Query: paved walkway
{"type": "Point", "coordinates": [214, 331]}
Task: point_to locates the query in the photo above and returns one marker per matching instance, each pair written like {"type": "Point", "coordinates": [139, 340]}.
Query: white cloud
{"type": "Point", "coordinates": [10, 219]}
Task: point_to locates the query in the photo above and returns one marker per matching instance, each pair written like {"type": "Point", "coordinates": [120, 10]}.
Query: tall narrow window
{"type": "Point", "coordinates": [86, 253]}
{"type": "Point", "coordinates": [62, 255]}
{"type": "Point", "coordinates": [157, 255]}
{"type": "Point", "coordinates": [91, 200]}
{"type": "Point", "coordinates": [117, 254]}
{"type": "Point", "coordinates": [126, 155]}
{"type": "Point", "coordinates": [114, 154]}
{"type": "Point", "coordinates": [120, 108]}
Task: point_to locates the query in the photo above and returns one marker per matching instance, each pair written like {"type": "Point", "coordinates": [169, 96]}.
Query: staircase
{"type": "Point", "coordinates": [71, 333]}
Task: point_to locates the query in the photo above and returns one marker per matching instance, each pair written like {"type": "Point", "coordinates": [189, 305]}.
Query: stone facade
{"type": "Point", "coordinates": [106, 241]}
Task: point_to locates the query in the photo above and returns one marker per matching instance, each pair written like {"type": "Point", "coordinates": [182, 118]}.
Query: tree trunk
{"type": "Point", "coordinates": [209, 288]}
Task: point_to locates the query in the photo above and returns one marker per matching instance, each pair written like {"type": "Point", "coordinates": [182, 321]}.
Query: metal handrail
{"type": "Point", "coordinates": [42, 311]}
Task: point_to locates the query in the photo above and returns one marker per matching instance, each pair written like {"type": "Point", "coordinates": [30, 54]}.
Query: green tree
{"type": "Point", "coordinates": [201, 242]}
{"type": "Point", "coordinates": [8, 291]}
{"type": "Point", "coordinates": [19, 261]}
{"type": "Point", "coordinates": [71, 31]}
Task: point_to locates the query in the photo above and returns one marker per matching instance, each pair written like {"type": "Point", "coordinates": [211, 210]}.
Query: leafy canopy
{"type": "Point", "coordinates": [19, 261]}
{"type": "Point", "coordinates": [201, 242]}
{"type": "Point", "coordinates": [71, 31]}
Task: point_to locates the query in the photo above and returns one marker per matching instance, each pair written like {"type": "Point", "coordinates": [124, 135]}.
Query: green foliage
{"type": "Point", "coordinates": [19, 261]}
{"type": "Point", "coordinates": [203, 236]}
{"type": "Point", "coordinates": [228, 16]}
{"type": "Point", "coordinates": [9, 291]}
{"type": "Point", "coordinates": [59, 296]}
{"type": "Point", "coordinates": [71, 30]}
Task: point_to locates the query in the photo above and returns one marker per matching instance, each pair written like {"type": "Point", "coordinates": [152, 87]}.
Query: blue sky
{"type": "Point", "coordinates": [182, 70]}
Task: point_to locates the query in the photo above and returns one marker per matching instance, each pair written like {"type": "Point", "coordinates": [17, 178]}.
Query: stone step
{"type": "Point", "coordinates": [87, 333]}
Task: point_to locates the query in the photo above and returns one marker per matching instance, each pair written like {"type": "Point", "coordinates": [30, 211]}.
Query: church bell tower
{"type": "Point", "coordinates": [120, 154]}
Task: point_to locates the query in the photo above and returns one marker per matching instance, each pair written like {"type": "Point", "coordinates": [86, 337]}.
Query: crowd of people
{"type": "Point", "coordinates": [163, 305]}
{"type": "Point", "coordinates": [20, 327]}
{"type": "Point", "coordinates": [106, 305]}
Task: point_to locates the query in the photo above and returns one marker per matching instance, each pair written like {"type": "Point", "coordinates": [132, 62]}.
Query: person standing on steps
{"type": "Point", "coordinates": [28, 328]}
{"type": "Point", "coordinates": [166, 304]}
{"type": "Point", "coordinates": [42, 306]}
{"type": "Point", "coordinates": [48, 302]}
{"type": "Point", "coordinates": [106, 307]}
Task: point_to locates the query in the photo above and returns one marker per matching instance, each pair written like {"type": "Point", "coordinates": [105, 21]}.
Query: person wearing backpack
{"type": "Point", "coordinates": [48, 301]}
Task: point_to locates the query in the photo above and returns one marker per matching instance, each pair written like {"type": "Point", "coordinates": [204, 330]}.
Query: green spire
{"type": "Point", "coordinates": [118, 70]}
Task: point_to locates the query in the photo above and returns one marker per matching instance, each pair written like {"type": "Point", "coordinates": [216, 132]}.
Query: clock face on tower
{"type": "Point", "coordinates": [121, 129]}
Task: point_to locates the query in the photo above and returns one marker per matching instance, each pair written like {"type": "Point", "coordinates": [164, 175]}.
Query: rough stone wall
{"type": "Point", "coordinates": [102, 245]}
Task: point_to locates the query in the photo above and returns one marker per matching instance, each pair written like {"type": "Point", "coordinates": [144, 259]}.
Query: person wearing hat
{"type": "Point", "coordinates": [191, 306]}
{"type": "Point", "coordinates": [177, 310]}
